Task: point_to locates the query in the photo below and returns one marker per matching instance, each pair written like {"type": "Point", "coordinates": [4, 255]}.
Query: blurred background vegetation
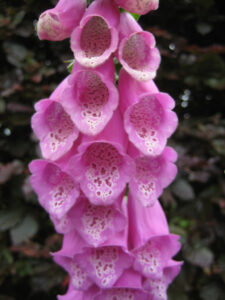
{"type": "Point", "coordinates": [191, 40]}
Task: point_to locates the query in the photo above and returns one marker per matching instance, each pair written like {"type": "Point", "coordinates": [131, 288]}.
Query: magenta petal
{"type": "Point", "coordinates": [78, 276]}
{"type": "Point", "coordinates": [151, 258]}
{"type": "Point", "coordinates": [131, 90]}
{"type": "Point", "coordinates": [137, 6]}
{"type": "Point", "coordinates": [158, 287]}
{"type": "Point", "coordinates": [137, 52]}
{"type": "Point", "coordinates": [145, 222]}
{"type": "Point", "coordinates": [104, 264]}
{"type": "Point", "coordinates": [57, 93]}
{"type": "Point", "coordinates": [96, 38]}
{"type": "Point", "coordinates": [102, 167]}
{"type": "Point", "coordinates": [96, 224]}
{"type": "Point", "coordinates": [148, 124]}
{"type": "Point", "coordinates": [91, 97]}
{"type": "Point", "coordinates": [55, 129]}
{"type": "Point", "coordinates": [148, 119]}
{"type": "Point", "coordinates": [57, 192]}
{"type": "Point", "coordinates": [57, 23]}
{"type": "Point", "coordinates": [152, 175]}
{"type": "Point", "coordinates": [72, 244]}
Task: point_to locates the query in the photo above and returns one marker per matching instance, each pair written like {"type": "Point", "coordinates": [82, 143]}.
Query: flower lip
{"type": "Point", "coordinates": [56, 189]}
{"type": "Point", "coordinates": [102, 169]}
{"type": "Point", "coordinates": [54, 127]}
{"type": "Point", "coordinates": [138, 55]}
{"type": "Point", "coordinates": [84, 46]}
{"type": "Point", "coordinates": [96, 99]}
{"type": "Point", "coordinates": [149, 122]}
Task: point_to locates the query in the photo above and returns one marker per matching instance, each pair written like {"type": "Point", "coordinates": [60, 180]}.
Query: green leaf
{"type": "Point", "coordinates": [70, 65]}
{"type": "Point", "coordinates": [25, 230]}
{"type": "Point", "coordinates": [136, 17]}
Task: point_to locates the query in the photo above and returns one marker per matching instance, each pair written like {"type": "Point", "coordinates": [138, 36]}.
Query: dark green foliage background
{"type": "Point", "coordinates": [190, 37]}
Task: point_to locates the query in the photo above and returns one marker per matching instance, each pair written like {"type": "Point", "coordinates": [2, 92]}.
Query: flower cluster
{"type": "Point", "coordinates": [105, 160]}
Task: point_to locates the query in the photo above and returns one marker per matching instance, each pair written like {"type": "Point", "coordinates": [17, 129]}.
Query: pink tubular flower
{"type": "Point", "coordinates": [140, 7]}
{"type": "Point", "coordinates": [152, 175]}
{"type": "Point", "coordinates": [91, 97]}
{"type": "Point", "coordinates": [148, 119]}
{"type": "Point", "coordinates": [101, 166]}
{"type": "Point", "coordinates": [57, 192]}
{"type": "Point", "coordinates": [95, 224]}
{"type": "Point", "coordinates": [78, 275]}
{"type": "Point", "coordinates": [128, 286]}
{"type": "Point", "coordinates": [54, 127]}
{"type": "Point", "coordinates": [137, 52]}
{"type": "Point", "coordinates": [158, 287]}
{"type": "Point", "coordinates": [104, 265]}
{"type": "Point", "coordinates": [96, 38]}
{"type": "Point", "coordinates": [151, 243]}
{"type": "Point", "coordinates": [57, 24]}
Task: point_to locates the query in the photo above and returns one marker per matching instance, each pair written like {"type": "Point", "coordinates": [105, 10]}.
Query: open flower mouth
{"type": "Point", "coordinates": [92, 98]}
{"type": "Point", "coordinates": [95, 37]}
{"type": "Point", "coordinates": [55, 129]}
{"type": "Point", "coordinates": [143, 124]}
{"type": "Point", "coordinates": [104, 265]}
{"type": "Point", "coordinates": [139, 56]}
{"type": "Point", "coordinates": [103, 165]}
{"type": "Point", "coordinates": [136, 52]}
{"type": "Point", "coordinates": [57, 191]}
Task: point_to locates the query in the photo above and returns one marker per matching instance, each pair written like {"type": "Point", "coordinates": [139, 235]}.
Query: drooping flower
{"type": "Point", "coordinates": [103, 265]}
{"type": "Point", "coordinates": [150, 240]}
{"type": "Point", "coordinates": [152, 174]}
{"type": "Point", "coordinates": [54, 128]}
{"type": "Point", "coordinates": [91, 97]}
{"type": "Point", "coordinates": [148, 119]}
{"type": "Point", "coordinates": [96, 38]}
{"type": "Point", "coordinates": [157, 288]}
{"type": "Point", "coordinates": [140, 7]}
{"type": "Point", "coordinates": [101, 166]}
{"type": "Point", "coordinates": [97, 225]}
{"type": "Point", "coordinates": [57, 24]}
{"type": "Point", "coordinates": [57, 191]}
{"type": "Point", "coordinates": [137, 52]}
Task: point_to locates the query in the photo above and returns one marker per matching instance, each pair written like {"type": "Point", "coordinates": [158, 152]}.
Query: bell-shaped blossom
{"type": "Point", "coordinates": [95, 224]}
{"type": "Point", "coordinates": [137, 52]}
{"type": "Point", "coordinates": [54, 127]}
{"type": "Point", "coordinates": [79, 277]}
{"type": "Point", "coordinates": [57, 192]}
{"type": "Point", "coordinates": [104, 265]}
{"type": "Point", "coordinates": [91, 97]}
{"type": "Point", "coordinates": [101, 166]}
{"type": "Point", "coordinates": [151, 243]}
{"type": "Point", "coordinates": [148, 119]}
{"type": "Point", "coordinates": [158, 287]}
{"type": "Point", "coordinates": [96, 38]}
{"type": "Point", "coordinates": [73, 244]}
{"type": "Point", "coordinates": [152, 174]}
{"type": "Point", "coordinates": [140, 7]}
{"type": "Point", "coordinates": [57, 24]}
{"type": "Point", "coordinates": [128, 286]}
